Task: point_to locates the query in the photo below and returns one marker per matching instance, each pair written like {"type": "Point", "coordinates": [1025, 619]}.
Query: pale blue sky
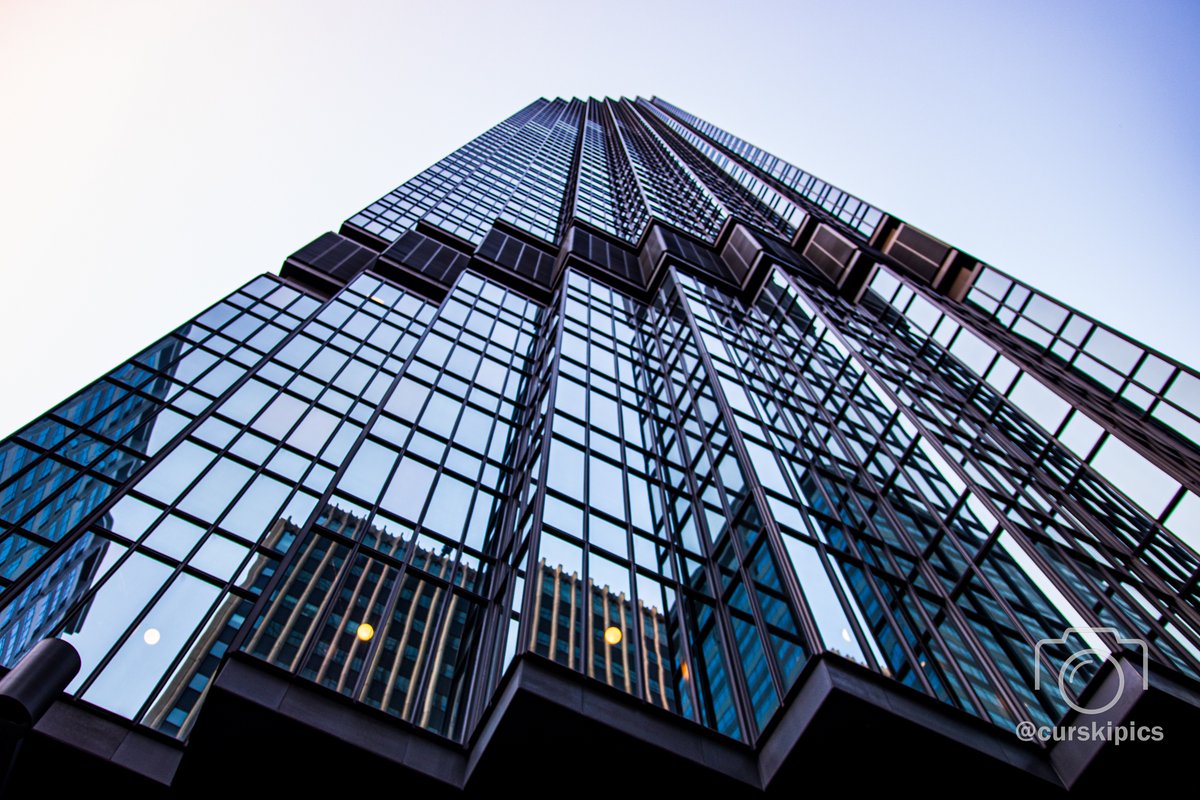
{"type": "Point", "coordinates": [155, 155]}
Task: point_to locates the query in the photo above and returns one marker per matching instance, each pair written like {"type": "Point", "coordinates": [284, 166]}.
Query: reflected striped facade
{"type": "Point", "coordinates": [611, 397]}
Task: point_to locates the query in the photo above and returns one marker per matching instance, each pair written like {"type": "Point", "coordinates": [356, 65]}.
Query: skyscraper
{"type": "Point", "coordinates": [614, 444]}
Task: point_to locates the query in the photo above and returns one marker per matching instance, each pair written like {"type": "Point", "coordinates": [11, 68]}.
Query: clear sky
{"type": "Point", "coordinates": [155, 155]}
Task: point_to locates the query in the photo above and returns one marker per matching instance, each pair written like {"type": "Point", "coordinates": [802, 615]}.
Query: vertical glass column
{"type": "Point", "coordinates": [398, 211]}
{"type": "Point", "coordinates": [598, 578]}
{"type": "Point", "coordinates": [537, 204]}
{"type": "Point", "coordinates": [606, 191]}
{"type": "Point", "coordinates": [218, 437]}
{"type": "Point", "coordinates": [857, 485]}
{"type": "Point", "coordinates": [747, 198]}
{"type": "Point", "coordinates": [988, 512]}
{"type": "Point", "coordinates": [525, 178]}
{"type": "Point", "coordinates": [856, 214]}
{"type": "Point", "coordinates": [1035, 460]}
{"type": "Point", "coordinates": [383, 596]}
{"type": "Point", "coordinates": [648, 567]}
{"type": "Point", "coordinates": [671, 193]}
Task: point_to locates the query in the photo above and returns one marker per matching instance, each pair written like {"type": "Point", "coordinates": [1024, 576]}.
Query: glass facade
{"type": "Point", "coordinates": [611, 388]}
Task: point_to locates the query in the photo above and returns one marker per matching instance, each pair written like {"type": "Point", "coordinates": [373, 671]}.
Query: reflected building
{"type": "Point", "coordinates": [322, 621]}
{"type": "Point", "coordinates": [610, 654]}
{"type": "Point", "coordinates": [26, 619]}
{"type": "Point", "coordinates": [352, 626]}
{"type": "Point", "coordinates": [57, 471]}
{"type": "Point", "coordinates": [613, 433]}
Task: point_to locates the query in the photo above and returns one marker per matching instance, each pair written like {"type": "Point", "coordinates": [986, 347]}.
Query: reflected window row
{"type": "Point", "coordinates": [59, 470]}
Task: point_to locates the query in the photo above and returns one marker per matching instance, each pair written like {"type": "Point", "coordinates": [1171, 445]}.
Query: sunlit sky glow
{"type": "Point", "coordinates": [154, 156]}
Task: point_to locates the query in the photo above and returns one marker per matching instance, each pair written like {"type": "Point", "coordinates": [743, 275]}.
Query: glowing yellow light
{"type": "Point", "coordinates": [683, 670]}
{"type": "Point", "coordinates": [612, 635]}
{"type": "Point", "coordinates": [365, 632]}
{"type": "Point", "coordinates": [151, 636]}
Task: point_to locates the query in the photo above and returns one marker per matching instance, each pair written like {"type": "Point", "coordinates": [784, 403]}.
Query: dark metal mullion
{"type": "Point", "coordinates": [826, 560]}
{"type": "Point", "coordinates": [1068, 384]}
{"type": "Point", "coordinates": [648, 395]}
{"type": "Point", "coordinates": [555, 320]}
{"type": "Point", "coordinates": [618, 143]}
{"type": "Point", "coordinates": [180, 567]}
{"type": "Point", "coordinates": [1030, 480]}
{"type": "Point", "coordinates": [311, 638]}
{"type": "Point", "coordinates": [389, 603]}
{"type": "Point", "coordinates": [427, 679]}
{"type": "Point", "coordinates": [80, 473]}
{"type": "Point", "coordinates": [355, 548]}
{"type": "Point", "coordinates": [129, 629]}
{"type": "Point", "coordinates": [126, 388]}
{"type": "Point", "coordinates": [351, 452]}
{"type": "Point", "coordinates": [530, 156]}
{"type": "Point", "coordinates": [102, 508]}
{"type": "Point", "coordinates": [631, 568]}
{"type": "Point", "coordinates": [790, 584]}
{"type": "Point", "coordinates": [793, 193]}
{"type": "Point", "coordinates": [571, 189]}
{"type": "Point", "coordinates": [502, 580]}
{"type": "Point", "coordinates": [88, 470]}
{"type": "Point", "coordinates": [1026, 479]}
{"type": "Point", "coordinates": [74, 430]}
{"type": "Point", "coordinates": [1115, 544]}
{"type": "Point", "coordinates": [424, 679]}
{"type": "Point", "coordinates": [440, 466]}
{"type": "Point", "coordinates": [706, 370]}
{"type": "Point", "coordinates": [739, 693]}
{"type": "Point", "coordinates": [861, 475]}
{"type": "Point", "coordinates": [229, 589]}
{"type": "Point", "coordinates": [994, 676]}
{"type": "Point", "coordinates": [677, 142]}
{"type": "Point", "coordinates": [922, 565]}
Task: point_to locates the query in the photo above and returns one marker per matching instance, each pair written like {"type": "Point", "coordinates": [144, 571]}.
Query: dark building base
{"type": "Point", "coordinates": [551, 732]}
